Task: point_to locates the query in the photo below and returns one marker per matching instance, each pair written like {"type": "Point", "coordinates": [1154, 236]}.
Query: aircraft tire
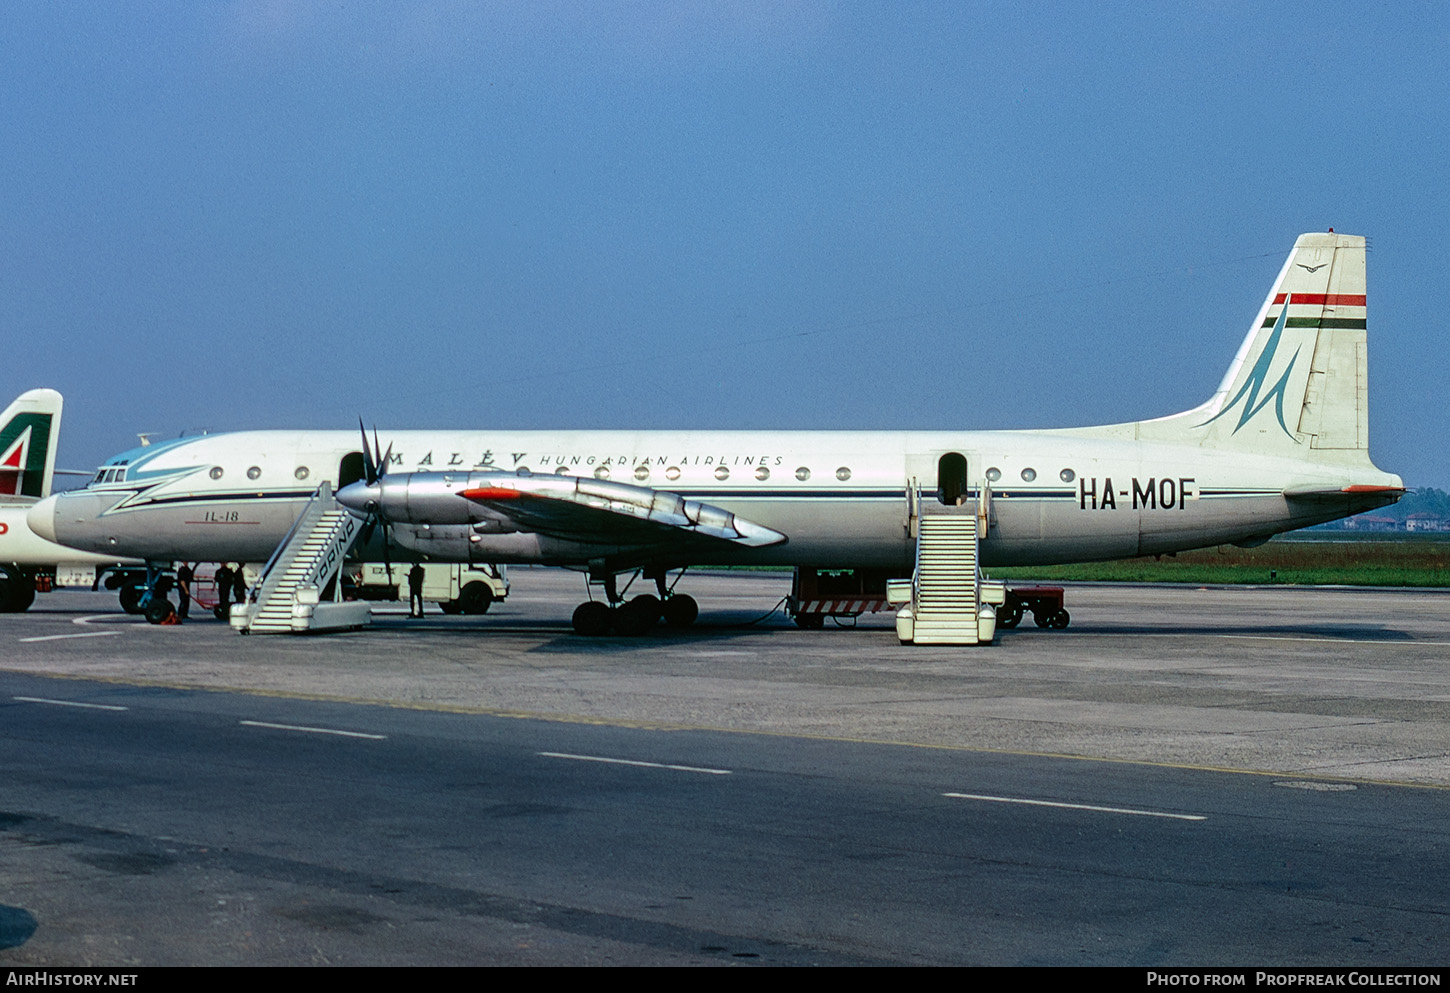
{"type": "Point", "coordinates": [22, 597]}
{"type": "Point", "coordinates": [635, 619]}
{"type": "Point", "coordinates": [130, 597]}
{"type": "Point", "coordinates": [679, 610]}
{"type": "Point", "coordinates": [593, 619]}
{"type": "Point", "coordinates": [158, 610]}
{"type": "Point", "coordinates": [475, 598]}
{"type": "Point", "coordinates": [17, 592]}
{"type": "Point", "coordinates": [650, 605]}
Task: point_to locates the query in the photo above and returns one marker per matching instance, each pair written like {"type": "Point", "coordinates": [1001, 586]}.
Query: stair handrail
{"type": "Point", "coordinates": [916, 570]}
{"type": "Point", "coordinates": [311, 511]}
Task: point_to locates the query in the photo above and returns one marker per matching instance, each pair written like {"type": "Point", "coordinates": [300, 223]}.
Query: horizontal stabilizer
{"type": "Point", "coordinates": [1389, 494]}
{"type": "Point", "coordinates": [1341, 501]}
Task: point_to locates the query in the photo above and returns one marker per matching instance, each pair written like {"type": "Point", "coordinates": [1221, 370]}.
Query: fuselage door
{"type": "Point", "coordinates": [351, 469]}
{"type": "Point", "coordinates": [940, 476]}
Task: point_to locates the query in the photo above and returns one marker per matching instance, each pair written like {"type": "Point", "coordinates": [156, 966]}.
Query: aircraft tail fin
{"type": "Point", "coordinates": [1299, 384]}
{"type": "Point", "coordinates": [29, 432]}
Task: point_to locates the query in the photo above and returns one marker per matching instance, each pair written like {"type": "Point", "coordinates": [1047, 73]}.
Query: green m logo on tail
{"type": "Point", "coordinates": [24, 445]}
{"type": "Point", "coordinates": [1258, 376]}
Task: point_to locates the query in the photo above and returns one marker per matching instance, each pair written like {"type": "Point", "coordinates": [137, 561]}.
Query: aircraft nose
{"type": "Point", "coordinates": [41, 518]}
{"type": "Point", "coordinates": [360, 497]}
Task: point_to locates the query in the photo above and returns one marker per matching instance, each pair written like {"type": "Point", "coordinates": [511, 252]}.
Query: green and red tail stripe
{"type": "Point", "coordinates": [1321, 300]}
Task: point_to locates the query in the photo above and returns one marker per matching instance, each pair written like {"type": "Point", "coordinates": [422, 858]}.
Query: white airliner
{"type": "Point", "coordinates": [29, 432]}
{"type": "Point", "coordinates": [1281, 444]}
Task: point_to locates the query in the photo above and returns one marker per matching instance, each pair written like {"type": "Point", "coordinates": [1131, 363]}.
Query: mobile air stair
{"type": "Point", "coordinates": [288, 599]}
{"type": "Point", "coordinates": [947, 601]}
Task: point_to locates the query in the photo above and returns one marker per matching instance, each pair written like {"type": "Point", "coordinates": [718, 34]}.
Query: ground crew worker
{"type": "Point", "coordinates": [184, 577]}
{"type": "Point", "coordinates": [223, 589]}
{"type": "Point", "coordinates": [415, 591]}
{"type": "Point", "coordinates": [239, 585]}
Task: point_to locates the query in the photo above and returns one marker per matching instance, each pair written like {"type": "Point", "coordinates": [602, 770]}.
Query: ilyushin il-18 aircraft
{"type": "Point", "coordinates": [1281, 444]}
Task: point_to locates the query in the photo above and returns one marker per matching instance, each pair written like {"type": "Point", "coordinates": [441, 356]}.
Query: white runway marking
{"type": "Point", "coordinates": [107, 619]}
{"type": "Point", "coordinates": [68, 703]}
{"type": "Point", "coordinates": [645, 765]}
{"type": "Point", "coordinates": [84, 634]}
{"type": "Point", "coordinates": [1076, 806]}
{"type": "Point", "coordinates": [298, 727]}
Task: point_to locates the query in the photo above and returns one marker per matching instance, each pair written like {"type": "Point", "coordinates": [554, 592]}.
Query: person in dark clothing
{"type": "Point", "coordinates": [415, 591]}
{"type": "Point", "coordinates": [239, 585]}
{"type": "Point", "coordinates": [184, 578]}
{"type": "Point", "coordinates": [223, 589]}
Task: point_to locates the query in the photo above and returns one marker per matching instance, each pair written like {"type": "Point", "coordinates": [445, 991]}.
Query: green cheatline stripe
{"type": "Point", "coordinates": [1318, 322]}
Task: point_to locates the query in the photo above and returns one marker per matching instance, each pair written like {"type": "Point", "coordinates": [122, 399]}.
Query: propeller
{"type": "Point", "coordinates": [375, 467]}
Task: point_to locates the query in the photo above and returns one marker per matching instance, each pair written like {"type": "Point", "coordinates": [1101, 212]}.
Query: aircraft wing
{"type": "Point", "coordinates": [583, 509]}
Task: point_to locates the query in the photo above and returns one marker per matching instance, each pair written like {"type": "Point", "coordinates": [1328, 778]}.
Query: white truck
{"type": "Point", "coordinates": [456, 588]}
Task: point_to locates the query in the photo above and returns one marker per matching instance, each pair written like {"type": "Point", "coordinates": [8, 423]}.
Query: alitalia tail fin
{"type": "Point", "coordinates": [29, 432]}
{"type": "Point", "coordinates": [1299, 384]}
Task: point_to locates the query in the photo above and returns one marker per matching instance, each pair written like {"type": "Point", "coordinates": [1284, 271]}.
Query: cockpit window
{"type": "Point", "coordinates": [109, 474]}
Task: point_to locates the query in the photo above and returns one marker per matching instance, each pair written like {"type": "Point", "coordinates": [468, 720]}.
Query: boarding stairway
{"type": "Point", "coordinates": [946, 580]}
{"type": "Point", "coordinates": [947, 602]}
{"type": "Point", "coordinates": [288, 600]}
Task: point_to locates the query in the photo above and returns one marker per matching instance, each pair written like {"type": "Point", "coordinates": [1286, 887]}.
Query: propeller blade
{"type": "Point", "coordinates": [370, 468]}
{"type": "Point", "coordinates": [375, 466]}
{"type": "Point", "coordinates": [387, 554]}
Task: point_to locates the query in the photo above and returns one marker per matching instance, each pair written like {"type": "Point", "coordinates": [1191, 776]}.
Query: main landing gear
{"type": "Point", "coordinates": [630, 618]}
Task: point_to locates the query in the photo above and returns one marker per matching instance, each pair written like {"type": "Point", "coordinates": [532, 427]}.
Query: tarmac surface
{"type": "Point", "coordinates": [1183, 777]}
{"type": "Point", "coordinates": [1326, 682]}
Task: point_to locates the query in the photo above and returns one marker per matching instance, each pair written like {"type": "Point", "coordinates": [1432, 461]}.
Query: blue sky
{"type": "Point", "coordinates": [676, 214]}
